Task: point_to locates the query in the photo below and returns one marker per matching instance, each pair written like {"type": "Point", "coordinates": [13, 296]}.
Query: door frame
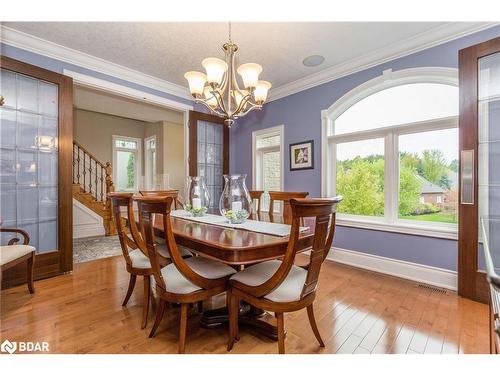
{"type": "Point", "coordinates": [472, 282]}
{"type": "Point", "coordinates": [60, 261]}
{"type": "Point", "coordinates": [194, 117]}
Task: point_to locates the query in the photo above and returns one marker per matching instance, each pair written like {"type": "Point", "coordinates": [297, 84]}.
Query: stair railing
{"type": "Point", "coordinates": [93, 176]}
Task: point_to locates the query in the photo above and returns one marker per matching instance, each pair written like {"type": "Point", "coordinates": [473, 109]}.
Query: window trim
{"type": "Point", "coordinates": [146, 141]}
{"type": "Point", "coordinates": [139, 159]}
{"type": "Point", "coordinates": [388, 79]}
{"type": "Point", "coordinates": [257, 164]}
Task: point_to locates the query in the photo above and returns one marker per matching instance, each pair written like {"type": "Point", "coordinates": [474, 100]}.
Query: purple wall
{"type": "Point", "coordinates": [301, 115]}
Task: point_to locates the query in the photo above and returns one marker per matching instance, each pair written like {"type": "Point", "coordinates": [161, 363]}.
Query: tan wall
{"type": "Point", "coordinates": [95, 131]}
{"type": "Point", "coordinates": [173, 155]}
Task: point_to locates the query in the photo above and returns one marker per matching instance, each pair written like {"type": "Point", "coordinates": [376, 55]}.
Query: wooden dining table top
{"type": "Point", "coordinates": [235, 246]}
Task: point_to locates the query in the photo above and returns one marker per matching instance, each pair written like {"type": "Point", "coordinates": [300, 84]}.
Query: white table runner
{"type": "Point", "coordinates": [275, 229]}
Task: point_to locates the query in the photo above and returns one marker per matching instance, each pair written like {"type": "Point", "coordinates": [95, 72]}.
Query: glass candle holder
{"type": "Point", "coordinates": [198, 197]}
{"type": "Point", "coordinates": [235, 202]}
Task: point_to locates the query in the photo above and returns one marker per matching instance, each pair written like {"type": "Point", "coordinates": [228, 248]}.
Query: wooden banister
{"type": "Point", "coordinates": [99, 181]}
{"type": "Point", "coordinates": [75, 143]}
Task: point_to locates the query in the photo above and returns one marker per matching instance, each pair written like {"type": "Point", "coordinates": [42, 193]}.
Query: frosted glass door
{"type": "Point", "coordinates": [210, 160]}
{"type": "Point", "coordinates": [489, 149]}
{"type": "Point", "coordinates": [29, 158]}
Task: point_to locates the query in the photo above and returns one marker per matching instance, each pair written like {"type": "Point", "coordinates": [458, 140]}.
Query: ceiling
{"type": "Point", "coordinates": [167, 50]}
{"type": "Point", "coordinates": [98, 101]}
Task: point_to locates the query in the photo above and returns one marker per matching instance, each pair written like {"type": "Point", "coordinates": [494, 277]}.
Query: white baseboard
{"type": "Point", "coordinates": [417, 272]}
{"type": "Point", "coordinates": [86, 223]}
{"type": "Point", "coordinates": [83, 231]}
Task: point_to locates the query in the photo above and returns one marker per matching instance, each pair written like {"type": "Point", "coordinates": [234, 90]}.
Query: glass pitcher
{"type": "Point", "coordinates": [198, 197]}
{"type": "Point", "coordinates": [235, 202]}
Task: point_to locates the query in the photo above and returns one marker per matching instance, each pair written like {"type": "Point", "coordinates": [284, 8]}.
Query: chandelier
{"type": "Point", "coordinates": [218, 89]}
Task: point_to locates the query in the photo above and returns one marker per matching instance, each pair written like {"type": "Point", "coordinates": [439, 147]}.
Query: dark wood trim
{"type": "Point", "coordinates": [194, 117]}
{"type": "Point", "coordinates": [470, 284]}
{"type": "Point", "coordinates": [482, 287]}
{"type": "Point", "coordinates": [53, 263]}
{"type": "Point", "coordinates": [65, 164]}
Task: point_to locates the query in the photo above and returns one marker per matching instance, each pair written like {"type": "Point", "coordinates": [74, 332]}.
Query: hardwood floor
{"type": "Point", "coordinates": [357, 312]}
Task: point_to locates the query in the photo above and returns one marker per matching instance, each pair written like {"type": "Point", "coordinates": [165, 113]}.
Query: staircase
{"type": "Point", "coordinates": [91, 183]}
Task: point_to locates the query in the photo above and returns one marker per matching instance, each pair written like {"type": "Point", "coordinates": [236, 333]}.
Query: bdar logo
{"type": "Point", "coordinates": [24, 346]}
{"type": "Point", "coordinates": [8, 347]}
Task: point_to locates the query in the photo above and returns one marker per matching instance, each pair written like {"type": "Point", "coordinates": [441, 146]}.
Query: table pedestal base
{"type": "Point", "coordinates": [258, 320]}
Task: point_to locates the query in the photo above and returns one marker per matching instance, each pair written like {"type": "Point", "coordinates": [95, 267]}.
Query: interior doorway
{"type": "Point", "coordinates": [142, 138]}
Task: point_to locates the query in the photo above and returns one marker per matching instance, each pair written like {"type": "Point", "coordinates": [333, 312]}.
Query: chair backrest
{"type": "Point", "coordinates": [285, 197]}
{"type": "Point", "coordinates": [119, 201]}
{"type": "Point", "coordinates": [178, 204]}
{"type": "Point", "coordinates": [323, 210]}
{"type": "Point", "coordinates": [161, 206]}
{"type": "Point", "coordinates": [255, 195]}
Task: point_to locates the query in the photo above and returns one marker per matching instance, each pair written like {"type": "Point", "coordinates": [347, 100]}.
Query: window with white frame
{"type": "Point", "coordinates": [268, 163]}
{"type": "Point", "coordinates": [392, 151]}
{"type": "Point", "coordinates": [126, 163]}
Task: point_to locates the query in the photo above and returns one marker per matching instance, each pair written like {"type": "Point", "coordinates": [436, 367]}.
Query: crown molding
{"type": "Point", "coordinates": [46, 48]}
{"type": "Point", "coordinates": [419, 42]}
{"type": "Point", "coordinates": [416, 43]}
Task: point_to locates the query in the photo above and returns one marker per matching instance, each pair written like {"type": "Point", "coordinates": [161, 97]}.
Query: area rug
{"type": "Point", "coordinates": [92, 248]}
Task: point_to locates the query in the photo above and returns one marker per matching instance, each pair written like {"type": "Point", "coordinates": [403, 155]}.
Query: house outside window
{"type": "Point", "coordinates": [390, 147]}
{"type": "Point", "coordinates": [268, 163]}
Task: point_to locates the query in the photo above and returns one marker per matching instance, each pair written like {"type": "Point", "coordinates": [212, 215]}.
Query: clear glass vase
{"type": "Point", "coordinates": [235, 202]}
{"type": "Point", "coordinates": [198, 197]}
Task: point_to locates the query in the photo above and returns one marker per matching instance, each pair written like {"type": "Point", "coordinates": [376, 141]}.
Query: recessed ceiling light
{"type": "Point", "coordinates": [313, 60]}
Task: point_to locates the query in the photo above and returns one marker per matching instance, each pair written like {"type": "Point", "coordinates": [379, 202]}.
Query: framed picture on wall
{"type": "Point", "coordinates": [302, 155]}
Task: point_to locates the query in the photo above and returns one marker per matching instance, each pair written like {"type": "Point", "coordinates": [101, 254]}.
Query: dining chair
{"type": "Point", "coordinates": [184, 281]}
{"type": "Point", "coordinates": [178, 204]}
{"type": "Point", "coordinates": [13, 254]}
{"type": "Point", "coordinates": [284, 196]}
{"type": "Point", "coordinates": [279, 285]}
{"type": "Point", "coordinates": [255, 196]}
{"type": "Point", "coordinates": [134, 249]}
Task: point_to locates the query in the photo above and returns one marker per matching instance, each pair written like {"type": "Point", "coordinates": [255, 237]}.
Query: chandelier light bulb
{"type": "Point", "coordinates": [261, 90]}
{"type": "Point", "coordinates": [250, 74]}
{"type": "Point", "coordinates": [196, 82]}
{"type": "Point", "coordinates": [219, 90]}
{"type": "Point", "coordinates": [215, 69]}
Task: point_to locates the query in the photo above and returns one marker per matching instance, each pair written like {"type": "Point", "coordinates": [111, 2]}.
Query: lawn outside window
{"type": "Point", "coordinates": [393, 154]}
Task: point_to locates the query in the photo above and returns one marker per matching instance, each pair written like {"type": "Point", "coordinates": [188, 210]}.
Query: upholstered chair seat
{"type": "Point", "coordinates": [13, 252]}
{"type": "Point", "coordinates": [288, 291]}
{"type": "Point", "coordinates": [161, 247]}
{"type": "Point", "coordinates": [208, 268]}
{"type": "Point", "coordinates": [139, 259]}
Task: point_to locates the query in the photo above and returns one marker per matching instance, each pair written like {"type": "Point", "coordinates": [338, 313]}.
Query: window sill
{"type": "Point", "coordinates": [435, 230]}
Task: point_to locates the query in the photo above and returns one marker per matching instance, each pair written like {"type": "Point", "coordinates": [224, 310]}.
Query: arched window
{"type": "Point", "coordinates": [390, 147]}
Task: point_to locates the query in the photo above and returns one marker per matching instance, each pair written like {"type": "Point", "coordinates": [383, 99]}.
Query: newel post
{"type": "Point", "coordinates": [110, 187]}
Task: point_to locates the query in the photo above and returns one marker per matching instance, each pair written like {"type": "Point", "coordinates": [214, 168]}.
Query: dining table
{"type": "Point", "coordinates": [239, 248]}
